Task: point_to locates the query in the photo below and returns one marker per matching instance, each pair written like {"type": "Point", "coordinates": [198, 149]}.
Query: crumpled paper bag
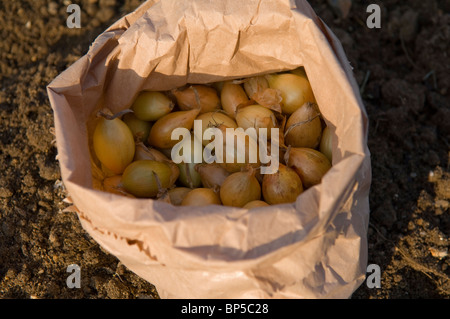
{"type": "Point", "coordinates": [313, 248]}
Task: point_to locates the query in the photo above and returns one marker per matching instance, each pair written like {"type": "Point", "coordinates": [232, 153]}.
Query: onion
{"type": "Point", "coordinates": [177, 194]}
{"type": "Point", "coordinates": [243, 144]}
{"type": "Point", "coordinates": [189, 177]}
{"type": "Point", "coordinates": [303, 127]}
{"type": "Point", "coordinates": [114, 185]}
{"type": "Point", "coordinates": [311, 165]}
{"type": "Point", "coordinates": [214, 119]}
{"type": "Point", "coordinates": [197, 96]}
{"type": "Point", "coordinates": [300, 71]}
{"type": "Point", "coordinates": [113, 144]}
{"type": "Point", "coordinates": [295, 90]}
{"type": "Point", "coordinates": [149, 153]}
{"type": "Point", "coordinates": [255, 204]}
{"type": "Point", "coordinates": [201, 197]}
{"type": "Point", "coordinates": [146, 178]}
{"type": "Point", "coordinates": [281, 187]}
{"type": "Point", "coordinates": [161, 132]}
{"type": "Point", "coordinates": [151, 105]}
{"type": "Point", "coordinates": [240, 188]}
{"type": "Point", "coordinates": [212, 175]}
{"type": "Point", "coordinates": [326, 144]}
{"type": "Point", "coordinates": [139, 128]}
{"type": "Point", "coordinates": [256, 116]}
{"type": "Point", "coordinates": [255, 84]}
{"type": "Point", "coordinates": [232, 95]}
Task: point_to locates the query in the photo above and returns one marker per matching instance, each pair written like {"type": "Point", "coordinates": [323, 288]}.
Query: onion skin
{"type": "Point", "coordinates": [151, 105]}
{"type": "Point", "coordinates": [303, 127]}
{"type": "Point", "coordinates": [161, 132]}
{"type": "Point", "coordinates": [232, 95]}
{"type": "Point", "coordinates": [113, 144]}
{"type": "Point", "coordinates": [281, 187]}
{"type": "Point", "coordinates": [197, 96]}
{"type": "Point", "coordinates": [139, 178]}
{"type": "Point", "coordinates": [255, 204]}
{"type": "Point", "coordinates": [255, 84]}
{"type": "Point", "coordinates": [310, 164]}
{"type": "Point", "coordinates": [212, 175]}
{"type": "Point", "coordinates": [295, 90]}
{"type": "Point", "coordinates": [201, 197]}
{"type": "Point", "coordinates": [177, 194]}
{"type": "Point", "coordinates": [239, 189]}
{"type": "Point", "coordinates": [326, 144]}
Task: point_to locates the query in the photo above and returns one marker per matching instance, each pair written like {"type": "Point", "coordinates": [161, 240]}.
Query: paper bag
{"type": "Point", "coordinates": [313, 248]}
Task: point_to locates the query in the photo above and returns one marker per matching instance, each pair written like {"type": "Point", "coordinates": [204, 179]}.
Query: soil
{"type": "Point", "coordinates": [402, 67]}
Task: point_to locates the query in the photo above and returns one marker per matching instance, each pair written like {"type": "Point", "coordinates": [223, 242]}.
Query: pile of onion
{"type": "Point", "coordinates": [134, 149]}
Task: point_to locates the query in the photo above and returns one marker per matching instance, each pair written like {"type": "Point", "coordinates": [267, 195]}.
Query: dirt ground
{"type": "Point", "coordinates": [404, 71]}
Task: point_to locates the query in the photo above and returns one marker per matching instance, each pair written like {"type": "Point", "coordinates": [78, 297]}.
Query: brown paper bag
{"type": "Point", "coordinates": [313, 248]}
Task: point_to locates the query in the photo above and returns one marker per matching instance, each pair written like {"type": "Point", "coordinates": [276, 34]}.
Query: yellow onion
{"type": "Point", "coordinates": [240, 188]}
{"type": "Point", "coordinates": [152, 105]}
{"type": "Point", "coordinates": [311, 165]}
{"type": "Point", "coordinates": [256, 116]}
{"type": "Point", "coordinates": [177, 194]}
{"type": "Point", "coordinates": [161, 132]}
{"type": "Point", "coordinates": [197, 96]}
{"type": "Point", "coordinates": [254, 85]}
{"type": "Point", "coordinates": [201, 197]}
{"type": "Point", "coordinates": [243, 144]}
{"type": "Point", "coordinates": [295, 90]}
{"type": "Point", "coordinates": [113, 144]}
{"type": "Point", "coordinates": [281, 187]}
{"type": "Point", "coordinates": [113, 184]}
{"type": "Point", "coordinates": [231, 96]}
{"type": "Point", "coordinates": [146, 178]}
{"type": "Point", "coordinates": [143, 152]}
{"type": "Point", "coordinates": [326, 144]}
{"type": "Point", "coordinates": [214, 119]}
{"type": "Point", "coordinates": [139, 128]}
{"type": "Point", "coordinates": [255, 204]}
{"type": "Point", "coordinates": [303, 127]}
{"type": "Point", "coordinates": [212, 175]}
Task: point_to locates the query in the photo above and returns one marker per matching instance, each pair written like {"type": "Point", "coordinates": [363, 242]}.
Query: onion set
{"type": "Point", "coordinates": [231, 165]}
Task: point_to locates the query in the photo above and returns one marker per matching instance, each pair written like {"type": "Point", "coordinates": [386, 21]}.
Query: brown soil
{"type": "Point", "coordinates": [404, 72]}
